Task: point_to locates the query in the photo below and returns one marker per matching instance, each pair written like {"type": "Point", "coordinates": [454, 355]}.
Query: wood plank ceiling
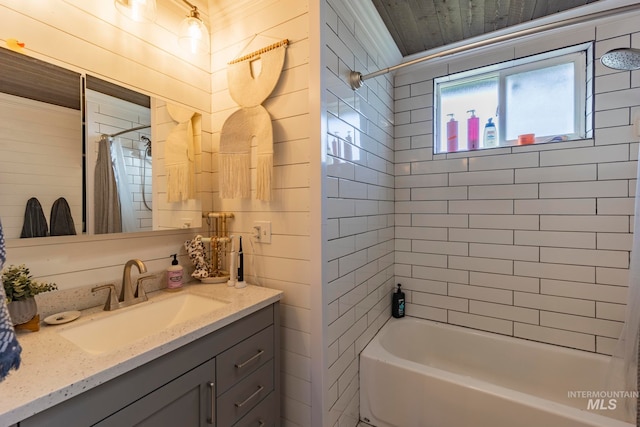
{"type": "Point", "coordinates": [419, 25]}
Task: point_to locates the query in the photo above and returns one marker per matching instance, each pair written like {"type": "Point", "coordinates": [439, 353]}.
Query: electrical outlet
{"type": "Point", "coordinates": [262, 231]}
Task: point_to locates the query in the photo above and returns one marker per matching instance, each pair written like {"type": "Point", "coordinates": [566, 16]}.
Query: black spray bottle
{"type": "Point", "coordinates": [397, 303]}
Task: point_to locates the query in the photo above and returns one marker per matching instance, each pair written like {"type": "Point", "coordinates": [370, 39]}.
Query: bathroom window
{"type": "Point", "coordinates": [540, 98]}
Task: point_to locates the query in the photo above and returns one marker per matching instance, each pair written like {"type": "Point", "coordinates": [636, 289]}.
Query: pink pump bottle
{"type": "Point", "coordinates": [473, 131]}
{"type": "Point", "coordinates": [452, 135]}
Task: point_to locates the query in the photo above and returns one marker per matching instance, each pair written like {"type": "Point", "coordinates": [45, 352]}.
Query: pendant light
{"type": "Point", "coordinates": [137, 10]}
{"type": "Point", "coordinates": [193, 34]}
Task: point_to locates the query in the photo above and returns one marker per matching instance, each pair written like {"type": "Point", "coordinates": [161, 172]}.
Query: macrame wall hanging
{"type": "Point", "coordinates": [180, 154]}
{"type": "Point", "coordinates": [249, 89]}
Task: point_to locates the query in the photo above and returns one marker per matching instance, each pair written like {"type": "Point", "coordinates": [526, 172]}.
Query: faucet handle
{"type": "Point", "coordinates": [139, 292]}
{"type": "Point", "coordinates": [112, 301]}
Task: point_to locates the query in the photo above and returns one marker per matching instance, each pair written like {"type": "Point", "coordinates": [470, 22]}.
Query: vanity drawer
{"type": "Point", "coordinates": [263, 415]}
{"type": "Point", "coordinates": [237, 402]}
{"type": "Point", "coordinates": [244, 358]}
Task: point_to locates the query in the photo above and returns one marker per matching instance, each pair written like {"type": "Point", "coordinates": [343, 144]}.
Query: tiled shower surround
{"type": "Point", "coordinates": [527, 241]}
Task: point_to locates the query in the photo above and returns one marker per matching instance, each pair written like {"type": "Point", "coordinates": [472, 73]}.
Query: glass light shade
{"type": "Point", "coordinates": [193, 35]}
{"type": "Point", "coordinates": [137, 10]}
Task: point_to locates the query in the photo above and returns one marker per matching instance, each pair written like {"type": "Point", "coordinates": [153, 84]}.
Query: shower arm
{"type": "Point", "coordinates": [129, 130]}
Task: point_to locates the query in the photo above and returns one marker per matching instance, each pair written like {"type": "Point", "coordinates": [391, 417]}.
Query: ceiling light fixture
{"type": "Point", "coordinates": [137, 10]}
{"type": "Point", "coordinates": [193, 34]}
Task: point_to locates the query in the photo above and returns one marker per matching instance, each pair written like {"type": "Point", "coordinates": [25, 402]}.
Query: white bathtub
{"type": "Point", "coordinates": [418, 373]}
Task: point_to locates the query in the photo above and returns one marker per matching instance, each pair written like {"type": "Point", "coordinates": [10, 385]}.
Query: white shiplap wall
{"type": "Point", "coordinates": [531, 241]}
{"type": "Point", "coordinates": [54, 156]}
{"type": "Point", "coordinates": [287, 263]}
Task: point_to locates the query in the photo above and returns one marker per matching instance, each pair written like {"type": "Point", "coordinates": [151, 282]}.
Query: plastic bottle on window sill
{"type": "Point", "coordinates": [490, 135]}
{"type": "Point", "coordinates": [452, 135]}
{"type": "Point", "coordinates": [473, 131]}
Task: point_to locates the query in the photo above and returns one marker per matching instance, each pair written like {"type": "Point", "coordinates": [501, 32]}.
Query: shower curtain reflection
{"type": "Point", "coordinates": [120, 180]}
{"type": "Point", "coordinates": [107, 213]}
{"type": "Point", "coordinates": [125, 195]}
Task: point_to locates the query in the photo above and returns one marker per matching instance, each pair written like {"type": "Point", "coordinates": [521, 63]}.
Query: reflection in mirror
{"type": "Point", "coordinates": [49, 148]}
{"type": "Point", "coordinates": [118, 129]}
{"type": "Point", "coordinates": [40, 158]}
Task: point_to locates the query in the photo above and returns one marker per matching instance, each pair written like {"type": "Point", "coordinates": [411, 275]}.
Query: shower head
{"type": "Point", "coordinates": [147, 143]}
{"type": "Point", "coordinates": [622, 59]}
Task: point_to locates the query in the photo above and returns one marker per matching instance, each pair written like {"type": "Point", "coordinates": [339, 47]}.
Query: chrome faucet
{"type": "Point", "coordinates": [128, 295]}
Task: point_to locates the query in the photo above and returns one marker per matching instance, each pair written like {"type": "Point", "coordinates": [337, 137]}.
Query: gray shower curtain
{"type": "Point", "coordinates": [107, 214]}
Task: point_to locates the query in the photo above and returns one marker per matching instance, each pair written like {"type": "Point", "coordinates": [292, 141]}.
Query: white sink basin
{"type": "Point", "coordinates": [120, 328]}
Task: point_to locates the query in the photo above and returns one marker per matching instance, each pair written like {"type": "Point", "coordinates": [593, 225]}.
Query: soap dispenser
{"type": "Point", "coordinates": [490, 135]}
{"type": "Point", "coordinates": [397, 303]}
{"type": "Point", "coordinates": [452, 134]}
{"type": "Point", "coordinates": [174, 275]}
{"type": "Point", "coordinates": [473, 131]}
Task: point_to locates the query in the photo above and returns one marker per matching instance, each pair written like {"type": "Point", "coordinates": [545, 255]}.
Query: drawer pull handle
{"type": "Point", "coordinates": [260, 423]}
{"type": "Point", "coordinates": [254, 394]}
{"type": "Point", "coordinates": [212, 415]}
{"type": "Point", "coordinates": [251, 359]}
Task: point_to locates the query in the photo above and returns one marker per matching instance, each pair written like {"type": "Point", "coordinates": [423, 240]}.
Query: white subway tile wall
{"type": "Point", "coordinates": [360, 205]}
{"type": "Point", "coordinates": [531, 242]}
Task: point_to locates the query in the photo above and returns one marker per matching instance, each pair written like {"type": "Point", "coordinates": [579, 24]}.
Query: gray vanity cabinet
{"type": "Point", "coordinates": [185, 402]}
{"type": "Point", "coordinates": [227, 378]}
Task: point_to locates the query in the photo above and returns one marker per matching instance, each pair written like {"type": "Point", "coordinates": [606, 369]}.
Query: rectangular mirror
{"type": "Point", "coordinates": [119, 152]}
{"type": "Point", "coordinates": [54, 177]}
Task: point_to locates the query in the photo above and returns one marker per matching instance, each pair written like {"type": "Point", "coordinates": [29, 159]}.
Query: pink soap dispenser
{"type": "Point", "coordinates": [452, 135]}
{"type": "Point", "coordinates": [174, 275]}
{"type": "Point", "coordinates": [473, 131]}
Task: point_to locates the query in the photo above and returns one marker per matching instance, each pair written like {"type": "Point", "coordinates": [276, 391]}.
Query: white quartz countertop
{"type": "Point", "coordinates": [53, 369]}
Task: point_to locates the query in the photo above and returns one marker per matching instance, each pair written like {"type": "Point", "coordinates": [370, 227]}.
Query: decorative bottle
{"type": "Point", "coordinates": [490, 135]}
{"type": "Point", "coordinates": [473, 131]}
{"type": "Point", "coordinates": [397, 303]}
{"type": "Point", "coordinates": [452, 135]}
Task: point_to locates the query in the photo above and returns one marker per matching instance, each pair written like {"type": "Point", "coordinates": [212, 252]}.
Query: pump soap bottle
{"type": "Point", "coordinates": [473, 131]}
{"type": "Point", "coordinates": [397, 303]}
{"type": "Point", "coordinates": [490, 135]}
{"type": "Point", "coordinates": [174, 275]}
{"type": "Point", "coordinates": [452, 135]}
